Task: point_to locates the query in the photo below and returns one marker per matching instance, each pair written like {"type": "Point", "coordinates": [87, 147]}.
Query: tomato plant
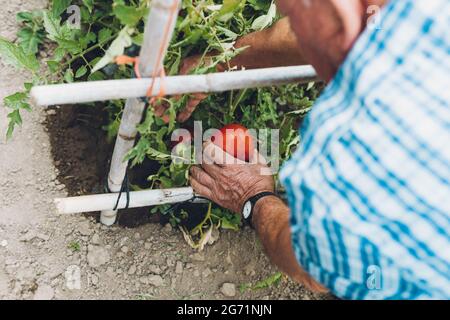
{"type": "Point", "coordinates": [111, 28]}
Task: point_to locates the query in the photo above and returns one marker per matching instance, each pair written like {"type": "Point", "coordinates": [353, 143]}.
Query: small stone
{"type": "Point", "coordinates": [95, 239]}
{"type": "Point", "coordinates": [196, 273]}
{"type": "Point", "coordinates": [132, 270]}
{"type": "Point", "coordinates": [154, 269]}
{"type": "Point", "coordinates": [137, 236]}
{"type": "Point", "coordinates": [94, 280]}
{"type": "Point", "coordinates": [43, 237]}
{"type": "Point", "coordinates": [4, 243]}
{"type": "Point", "coordinates": [170, 262]}
{"type": "Point", "coordinates": [249, 270]}
{"type": "Point", "coordinates": [198, 257]}
{"type": "Point", "coordinates": [206, 273]}
{"type": "Point", "coordinates": [189, 266]}
{"type": "Point", "coordinates": [124, 249]}
{"type": "Point", "coordinates": [179, 267]}
{"type": "Point", "coordinates": [110, 271]}
{"type": "Point", "coordinates": [155, 280]}
{"type": "Point", "coordinates": [44, 292]}
{"type": "Point", "coordinates": [123, 241]}
{"type": "Point", "coordinates": [85, 229]}
{"type": "Point", "coordinates": [167, 228]}
{"type": "Point", "coordinates": [228, 289]}
{"type": "Point", "coordinates": [28, 236]}
{"type": "Point", "coordinates": [143, 280]}
{"type": "Point", "coordinates": [147, 245]}
{"type": "Point", "coordinates": [97, 256]}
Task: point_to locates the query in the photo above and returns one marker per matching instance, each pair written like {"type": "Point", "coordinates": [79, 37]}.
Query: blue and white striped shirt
{"type": "Point", "coordinates": [369, 187]}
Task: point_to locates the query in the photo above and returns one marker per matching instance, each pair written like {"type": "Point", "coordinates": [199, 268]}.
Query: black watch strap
{"type": "Point", "coordinates": [253, 200]}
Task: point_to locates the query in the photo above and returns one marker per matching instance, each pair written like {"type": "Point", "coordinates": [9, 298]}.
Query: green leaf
{"type": "Point", "coordinates": [30, 39]}
{"type": "Point", "coordinates": [96, 76]}
{"type": "Point", "coordinates": [89, 5]}
{"type": "Point", "coordinates": [266, 283]}
{"type": "Point", "coordinates": [228, 225]}
{"type": "Point", "coordinates": [14, 120]}
{"type": "Point", "coordinates": [24, 17]}
{"type": "Point", "coordinates": [128, 15]}
{"type": "Point", "coordinates": [16, 102]}
{"type": "Point", "coordinates": [228, 9]}
{"type": "Point", "coordinates": [274, 279]}
{"type": "Point", "coordinates": [138, 39]}
{"type": "Point", "coordinates": [59, 54]}
{"type": "Point", "coordinates": [68, 75]}
{"type": "Point", "coordinates": [16, 56]}
{"type": "Point", "coordinates": [81, 72]}
{"type": "Point", "coordinates": [60, 6]}
{"type": "Point", "coordinates": [28, 86]}
{"type": "Point", "coordinates": [117, 48]}
{"type": "Point", "coordinates": [52, 26]}
{"type": "Point", "coordinates": [104, 34]}
{"type": "Point", "coordinates": [157, 155]}
{"type": "Point", "coordinates": [53, 65]}
{"type": "Point", "coordinates": [264, 21]}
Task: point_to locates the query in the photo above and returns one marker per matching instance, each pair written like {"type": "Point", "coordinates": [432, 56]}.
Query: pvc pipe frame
{"type": "Point", "coordinates": [107, 201]}
{"type": "Point", "coordinates": [133, 89]}
{"type": "Point", "coordinates": [107, 90]}
{"type": "Point", "coordinates": [84, 92]}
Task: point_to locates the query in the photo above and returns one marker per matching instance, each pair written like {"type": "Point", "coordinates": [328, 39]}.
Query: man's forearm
{"type": "Point", "coordinates": [274, 47]}
{"type": "Point", "coordinates": [271, 220]}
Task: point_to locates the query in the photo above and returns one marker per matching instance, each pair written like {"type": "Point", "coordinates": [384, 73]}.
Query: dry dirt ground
{"type": "Point", "coordinates": [46, 256]}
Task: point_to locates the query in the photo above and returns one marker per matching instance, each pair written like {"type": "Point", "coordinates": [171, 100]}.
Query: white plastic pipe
{"type": "Point", "coordinates": [157, 35]}
{"type": "Point", "coordinates": [83, 92]}
{"type": "Point", "coordinates": [100, 202]}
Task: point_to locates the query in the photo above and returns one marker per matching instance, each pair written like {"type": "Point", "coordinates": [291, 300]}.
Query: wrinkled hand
{"type": "Point", "coordinates": [230, 182]}
{"type": "Point", "coordinates": [187, 66]}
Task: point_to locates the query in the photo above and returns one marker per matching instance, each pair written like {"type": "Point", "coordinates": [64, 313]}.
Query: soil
{"type": "Point", "coordinates": [62, 151]}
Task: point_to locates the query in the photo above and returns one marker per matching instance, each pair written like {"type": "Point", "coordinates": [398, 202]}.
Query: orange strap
{"type": "Point", "coordinates": [158, 70]}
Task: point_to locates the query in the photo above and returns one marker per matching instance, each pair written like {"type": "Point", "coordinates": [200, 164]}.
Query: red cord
{"type": "Point", "coordinates": [158, 69]}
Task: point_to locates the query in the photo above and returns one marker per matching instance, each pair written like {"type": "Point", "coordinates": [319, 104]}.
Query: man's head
{"type": "Point", "coordinates": [327, 29]}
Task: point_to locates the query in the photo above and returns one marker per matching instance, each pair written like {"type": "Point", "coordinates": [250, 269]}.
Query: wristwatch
{"type": "Point", "coordinates": [249, 205]}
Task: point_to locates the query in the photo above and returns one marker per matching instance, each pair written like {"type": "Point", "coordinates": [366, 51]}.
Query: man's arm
{"type": "Point", "coordinates": [271, 221]}
{"type": "Point", "coordinates": [225, 181]}
{"type": "Point", "coordinates": [273, 47]}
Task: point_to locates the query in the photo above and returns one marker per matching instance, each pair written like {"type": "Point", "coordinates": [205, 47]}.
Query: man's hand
{"type": "Point", "coordinates": [230, 185]}
{"type": "Point", "coordinates": [227, 181]}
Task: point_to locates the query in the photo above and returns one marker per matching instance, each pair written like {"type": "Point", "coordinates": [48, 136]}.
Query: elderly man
{"type": "Point", "coordinates": [369, 186]}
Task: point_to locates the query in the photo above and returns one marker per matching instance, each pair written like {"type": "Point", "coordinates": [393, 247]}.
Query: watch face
{"type": "Point", "coordinates": [247, 210]}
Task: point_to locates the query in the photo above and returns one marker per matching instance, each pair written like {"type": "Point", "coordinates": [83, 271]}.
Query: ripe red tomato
{"type": "Point", "coordinates": [235, 140]}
